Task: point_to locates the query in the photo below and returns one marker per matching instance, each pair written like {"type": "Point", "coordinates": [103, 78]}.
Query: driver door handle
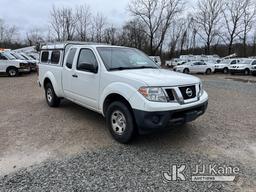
{"type": "Point", "coordinates": [75, 76]}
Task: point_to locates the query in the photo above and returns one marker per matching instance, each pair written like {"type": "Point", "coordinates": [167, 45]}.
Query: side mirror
{"type": "Point", "coordinates": [88, 67]}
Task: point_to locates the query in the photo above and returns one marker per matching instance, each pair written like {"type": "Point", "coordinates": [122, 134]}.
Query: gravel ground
{"type": "Point", "coordinates": [69, 149]}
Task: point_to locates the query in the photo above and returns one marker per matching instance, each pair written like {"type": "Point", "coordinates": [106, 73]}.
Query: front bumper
{"type": "Point", "coordinates": [24, 70]}
{"type": "Point", "coordinates": [237, 70]}
{"type": "Point", "coordinates": [218, 70]}
{"type": "Point", "coordinates": [152, 121]}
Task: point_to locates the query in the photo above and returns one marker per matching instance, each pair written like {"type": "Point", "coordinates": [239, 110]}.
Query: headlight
{"type": "Point", "coordinates": [201, 89]}
{"type": "Point", "coordinates": [155, 94]}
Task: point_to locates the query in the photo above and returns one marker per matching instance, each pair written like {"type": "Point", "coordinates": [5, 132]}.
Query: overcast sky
{"type": "Point", "coordinates": [26, 14]}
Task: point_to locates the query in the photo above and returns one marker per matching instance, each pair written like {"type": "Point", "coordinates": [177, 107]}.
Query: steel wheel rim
{"type": "Point", "coordinates": [118, 122]}
{"type": "Point", "coordinates": [49, 95]}
{"type": "Point", "coordinates": [12, 72]}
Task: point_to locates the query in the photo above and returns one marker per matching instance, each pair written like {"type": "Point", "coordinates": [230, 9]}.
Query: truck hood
{"type": "Point", "coordinates": [158, 77]}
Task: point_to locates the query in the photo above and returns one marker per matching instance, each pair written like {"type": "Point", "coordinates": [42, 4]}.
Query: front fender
{"type": "Point", "coordinates": [54, 82]}
{"type": "Point", "coordinates": [122, 89]}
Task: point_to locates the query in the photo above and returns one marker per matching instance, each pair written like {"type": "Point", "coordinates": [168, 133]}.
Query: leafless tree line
{"type": "Point", "coordinates": [157, 26]}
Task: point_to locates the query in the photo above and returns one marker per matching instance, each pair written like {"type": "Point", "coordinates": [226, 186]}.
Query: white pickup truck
{"type": "Point", "coordinates": [12, 66]}
{"type": "Point", "coordinates": [122, 84]}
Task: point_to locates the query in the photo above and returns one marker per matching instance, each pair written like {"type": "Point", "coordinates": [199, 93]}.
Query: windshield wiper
{"type": "Point", "coordinates": [119, 68]}
{"type": "Point", "coordinates": [129, 68]}
{"type": "Point", "coordinates": [145, 67]}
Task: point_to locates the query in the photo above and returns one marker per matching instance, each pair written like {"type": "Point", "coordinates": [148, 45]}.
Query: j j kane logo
{"type": "Point", "coordinates": [200, 173]}
{"type": "Point", "coordinates": [189, 92]}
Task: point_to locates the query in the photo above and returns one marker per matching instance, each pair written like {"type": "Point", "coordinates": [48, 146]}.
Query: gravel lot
{"type": "Point", "coordinates": [69, 148]}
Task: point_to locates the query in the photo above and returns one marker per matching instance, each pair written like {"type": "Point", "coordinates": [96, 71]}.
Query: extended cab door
{"type": "Point", "coordinates": [68, 72]}
{"type": "Point", "coordinates": [86, 78]}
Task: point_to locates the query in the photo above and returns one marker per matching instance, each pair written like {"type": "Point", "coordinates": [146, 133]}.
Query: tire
{"type": "Point", "coordinates": [12, 72]}
{"type": "Point", "coordinates": [120, 122]}
{"type": "Point", "coordinates": [246, 72]}
{"type": "Point", "coordinates": [186, 70]}
{"type": "Point", "coordinates": [225, 70]}
{"type": "Point", "coordinates": [208, 71]}
{"type": "Point", "coordinates": [50, 96]}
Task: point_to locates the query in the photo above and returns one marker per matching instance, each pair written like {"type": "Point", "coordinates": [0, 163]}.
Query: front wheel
{"type": "Point", "coordinates": [225, 70]}
{"type": "Point", "coordinates": [120, 122]}
{"type": "Point", "coordinates": [246, 72]}
{"type": "Point", "coordinates": [12, 72]}
{"type": "Point", "coordinates": [51, 97]}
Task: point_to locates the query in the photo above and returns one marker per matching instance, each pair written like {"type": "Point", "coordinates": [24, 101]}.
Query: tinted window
{"type": "Point", "coordinates": [70, 58]}
{"type": "Point", "coordinates": [55, 58]}
{"type": "Point", "coordinates": [45, 56]}
{"type": "Point", "coordinates": [254, 62]}
{"type": "Point", "coordinates": [86, 56]}
{"type": "Point", "coordinates": [233, 62]}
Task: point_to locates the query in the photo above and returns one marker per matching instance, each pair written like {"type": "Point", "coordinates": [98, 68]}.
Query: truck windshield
{"type": "Point", "coordinates": [245, 61]}
{"type": "Point", "coordinates": [116, 58]}
{"type": "Point", "coordinates": [9, 56]}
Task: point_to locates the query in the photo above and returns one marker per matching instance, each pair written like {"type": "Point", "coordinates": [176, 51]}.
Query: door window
{"type": "Point", "coordinates": [70, 58]}
{"type": "Point", "coordinates": [87, 61]}
{"type": "Point", "coordinates": [233, 62]}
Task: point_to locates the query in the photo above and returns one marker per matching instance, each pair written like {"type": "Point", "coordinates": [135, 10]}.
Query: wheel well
{"type": "Point", "coordinates": [11, 67]}
{"type": "Point", "coordinates": [115, 97]}
{"type": "Point", "coordinates": [47, 80]}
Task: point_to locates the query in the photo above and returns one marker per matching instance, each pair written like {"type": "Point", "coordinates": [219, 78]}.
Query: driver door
{"type": "Point", "coordinates": [86, 79]}
{"type": "Point", "coordinates": [194, 67]}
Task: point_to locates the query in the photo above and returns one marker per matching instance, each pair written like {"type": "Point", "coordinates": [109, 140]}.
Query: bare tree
{"type": "Point", "coordinates": [208, 17]}
{"type": "Point", "coordinates": [248, 21]}
{"type": "Point", "coordinates": [83, 14]}
{"type": "Point", "coordinates": [63, 23]}
{"type": "Point", "coordinates": [34, 37]}
{"type": "Point", "coordinates": [99, 24]}
{"type": "Point", "coordinates": [157, 16]}
{"type": "Point", "coordinates": [133, 35]}
{"type": "Point", "coordinates": [8, 34]}
{"type": "Point", "coordinates": [177, 31]}
{"type": "Point", "coordinates": [110, 35]}
{"type": "Point", "coordinates": [233, 12]}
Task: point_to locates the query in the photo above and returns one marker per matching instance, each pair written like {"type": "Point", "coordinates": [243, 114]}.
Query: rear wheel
{"type": "Point", "coordinates": [186, 70]}
{"type": "Point", "coordinates": [120, 122]}
{"type": "Point", "coordinates": [208, 71]}
{"type": "Point", "coordinates": [51, 97]}
{"type": "Point", "coordinates": [12, 72]}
